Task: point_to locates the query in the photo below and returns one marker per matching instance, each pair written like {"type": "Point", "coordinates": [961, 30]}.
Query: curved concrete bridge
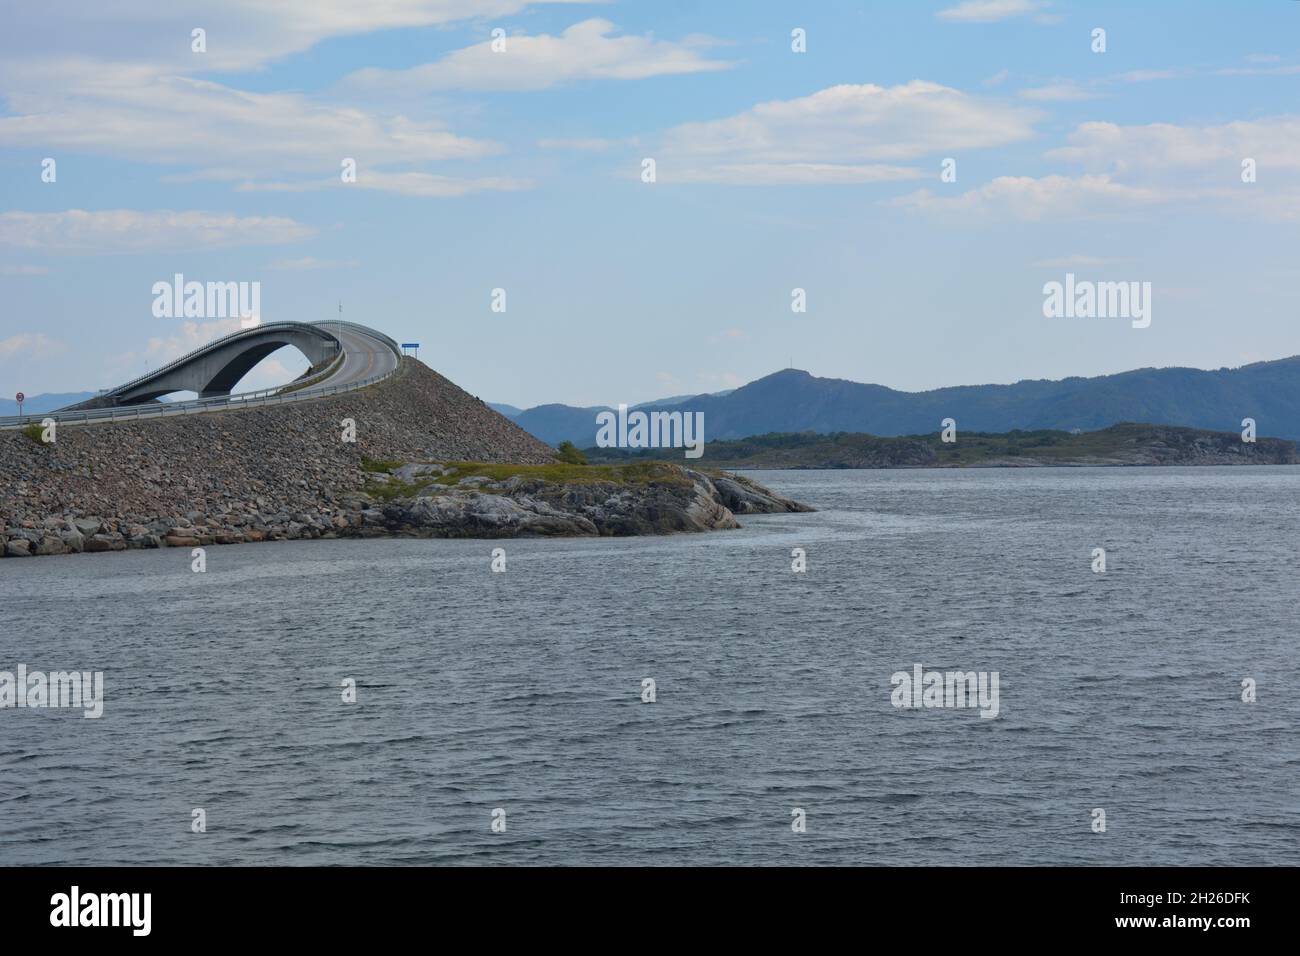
{"type": "Point", "coordinates": [214, 369]}
{"type": "Point", "coordinates": [343, 356]}
{"type": "Point", "coordinates": [217, 367]}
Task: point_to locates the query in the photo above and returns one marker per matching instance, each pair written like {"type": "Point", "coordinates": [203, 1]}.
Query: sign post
{"type": "Point", "coordinates": [19, 398]}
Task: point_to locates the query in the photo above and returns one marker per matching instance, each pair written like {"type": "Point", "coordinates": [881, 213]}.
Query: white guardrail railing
{"type": "Point", "coordinates": [281, 395]}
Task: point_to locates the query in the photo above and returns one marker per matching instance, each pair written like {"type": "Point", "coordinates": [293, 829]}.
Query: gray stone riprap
{"type": "Point", "coordinates": [282, 472]}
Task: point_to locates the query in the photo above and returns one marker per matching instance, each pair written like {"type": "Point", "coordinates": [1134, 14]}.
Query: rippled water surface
{"type": "Point", "coordinates": [522, 690]}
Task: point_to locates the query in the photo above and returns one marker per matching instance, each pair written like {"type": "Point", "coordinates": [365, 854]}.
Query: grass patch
{"type": "Point", "coordinates": [631, 473]}
{"type": "Point", "coordinates": [34, 431]}
{"type": "Point", "coordinates": [560, 472]}
{"type": "Point", "coordinates": [387, 491]}
{"type": "Point", "coordinates": [378, 465]}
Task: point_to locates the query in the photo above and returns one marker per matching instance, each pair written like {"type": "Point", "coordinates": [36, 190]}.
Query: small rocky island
{"type": "Point", "coordinates": [466, 500]}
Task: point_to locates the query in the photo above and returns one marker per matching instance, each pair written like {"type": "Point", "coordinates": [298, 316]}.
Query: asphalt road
{"type": "Point", "coordinates": [363, 357]}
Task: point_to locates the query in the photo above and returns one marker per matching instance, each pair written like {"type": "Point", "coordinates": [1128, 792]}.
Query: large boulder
{"type": "Point", "coordinates": [73, 540]}
{"type": "Point", "coordinates": [106, 542]}
{"type": "Point", "coordinates": [745, 497]}
{"type": "Point", "coordinates": [50, 544]}
{"type": "Point", "coordinates": [87, 526]}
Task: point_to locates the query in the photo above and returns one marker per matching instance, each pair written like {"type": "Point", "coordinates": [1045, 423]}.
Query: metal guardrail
{"type": "Point", "coordinates": [268, 396]}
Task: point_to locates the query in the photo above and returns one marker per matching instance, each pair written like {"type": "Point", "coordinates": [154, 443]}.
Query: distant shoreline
{"type": "Point", "coordinates": [1123, 445]}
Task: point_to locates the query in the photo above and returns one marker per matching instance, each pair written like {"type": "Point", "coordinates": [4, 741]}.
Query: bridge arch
{"type": "Point", "coordinates": [214, 369]}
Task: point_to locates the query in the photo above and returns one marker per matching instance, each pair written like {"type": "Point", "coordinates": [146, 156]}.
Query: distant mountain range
{"type": "Point", "coordinates": [795, 401]}
{"type": "Point", "coordinates": [578, 425]}
{"type": "Point", "coordinates": [47, 402]}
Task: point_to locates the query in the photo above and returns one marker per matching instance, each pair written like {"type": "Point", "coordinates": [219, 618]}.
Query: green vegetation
{"type": "Point", "coordinates": [633, 473]}
{"type": "Point", "coordinates": [378, 465]}
{"type": "Point", "coordinates": [558, 473]}
{"type": "Point", "coordinates": [388, 490]}
{"type": "Point", "coordinates": [1044, 445]}
{"type": "Point", "coordinates": [33, 431]}
{"type": "Point", "coordinates": [569, 454]}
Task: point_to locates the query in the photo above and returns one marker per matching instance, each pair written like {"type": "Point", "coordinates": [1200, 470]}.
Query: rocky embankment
{"type": "Point", "coordinates": [286, 472]}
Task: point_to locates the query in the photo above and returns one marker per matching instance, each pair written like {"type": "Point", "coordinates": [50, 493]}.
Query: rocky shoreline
{"type": "Point", "coordinates": [430, 499]}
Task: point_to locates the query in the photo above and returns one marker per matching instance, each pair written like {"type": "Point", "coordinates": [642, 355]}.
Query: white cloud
{"type": "Point", "coordinates": [433, 185]}
{"type": "Point", "coordinates": [989, 11]}
{"type": "Point", "coordinates": [1058, 93]}
{"type": "Point", "coordinates": [1070, 91]}
{"type": "Point", "coordinates": [1198, 165]}
{"type": "Point", "coordinates": [839, 135]}
{"type": "Point", "coordinates": [130, 230]}
{"type": "Point", "coordinates": [30, 345]}
{"type": "Point", "coordinates": [1129, 168]}
{"type": "Point", "coordinates": [427, 185]}
{"type": "Point", "coordinates": [1158, 148]}
{"type": "Point", "coordinates": [119, 82]}
{"type": "Point", "coordinates": [790, 174]}
{"type": "Point", "coordinates": [241, 34]}
{"type": "Point", "coordinates": [585, 51]}
{"type": "Point", "coordinates": [1259, 70]}
{"type": "Point", "coordinates": [228, 133]}
{"type": "Point", "coordinates": [1038, 199]}
{"type": "Point", "coordinates": [1146, 76]}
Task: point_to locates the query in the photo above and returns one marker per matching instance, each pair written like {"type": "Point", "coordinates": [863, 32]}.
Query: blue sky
{"type": "Point", "coordinates": [521, 170]}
